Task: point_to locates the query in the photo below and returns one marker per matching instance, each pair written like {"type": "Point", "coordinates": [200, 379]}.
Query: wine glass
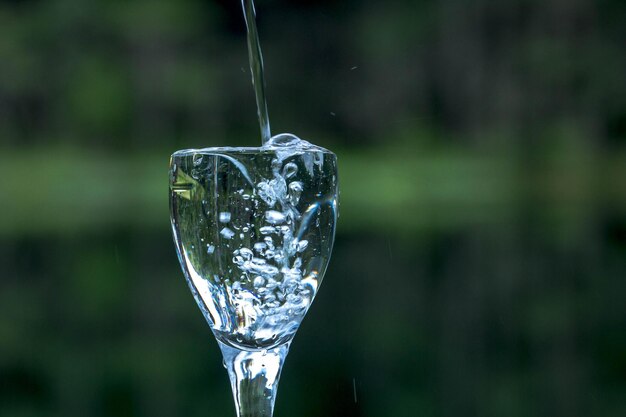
{"type": "Point", "coordinates": [254, 230]}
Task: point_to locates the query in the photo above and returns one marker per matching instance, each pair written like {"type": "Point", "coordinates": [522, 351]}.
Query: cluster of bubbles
{"type": "Point", "coordinates": [271, 285]}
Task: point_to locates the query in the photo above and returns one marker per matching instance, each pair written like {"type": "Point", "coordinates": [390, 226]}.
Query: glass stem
{"type": "Point", "coordinates": [254, 378]}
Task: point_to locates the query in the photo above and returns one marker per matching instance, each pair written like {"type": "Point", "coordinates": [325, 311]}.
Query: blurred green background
{"type": "Point", "coordinates": [480, 259]}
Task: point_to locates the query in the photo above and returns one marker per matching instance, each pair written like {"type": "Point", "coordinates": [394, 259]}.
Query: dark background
{"type": "Point", "coordinates": [479, 266]}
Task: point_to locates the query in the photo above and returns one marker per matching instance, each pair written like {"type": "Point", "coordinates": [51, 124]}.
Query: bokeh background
{"type": "Point", "coordinates": [480, 259]}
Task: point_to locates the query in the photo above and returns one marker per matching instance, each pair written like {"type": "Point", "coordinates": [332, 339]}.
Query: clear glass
{"type": "Point", "coordinates": [254, 229]}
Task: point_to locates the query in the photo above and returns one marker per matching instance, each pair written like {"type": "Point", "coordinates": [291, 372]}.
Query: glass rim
{"type": "Point", "coordinates": [248, 150]}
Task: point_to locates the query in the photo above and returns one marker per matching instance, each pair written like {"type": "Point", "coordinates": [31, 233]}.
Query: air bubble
{"type": "Point", "coordinates": [224, 217]}
{"type": "Point", "coordinates": [318, 160]}
{"type": "Point", "coordinates": [272, 191]}
{"type": "Point", "coordinates": [295, 191]}
{"type": "Point", "coordinates": [275, 217]}
{"type": "Point", "coordinates": [284, 140]}
{"type": "Point", "coordinates": [301, 246]}
{"type": "Point", "coordinates": [293, 299]}
{"type": "Point", "coordinates": [227, 233]}
{"type": "Point", "coordinates": [246, 253]}
{"type": "Point", "coordinates": [266, 230]}
{"type": "Point", "coordinates": [290, 170]}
